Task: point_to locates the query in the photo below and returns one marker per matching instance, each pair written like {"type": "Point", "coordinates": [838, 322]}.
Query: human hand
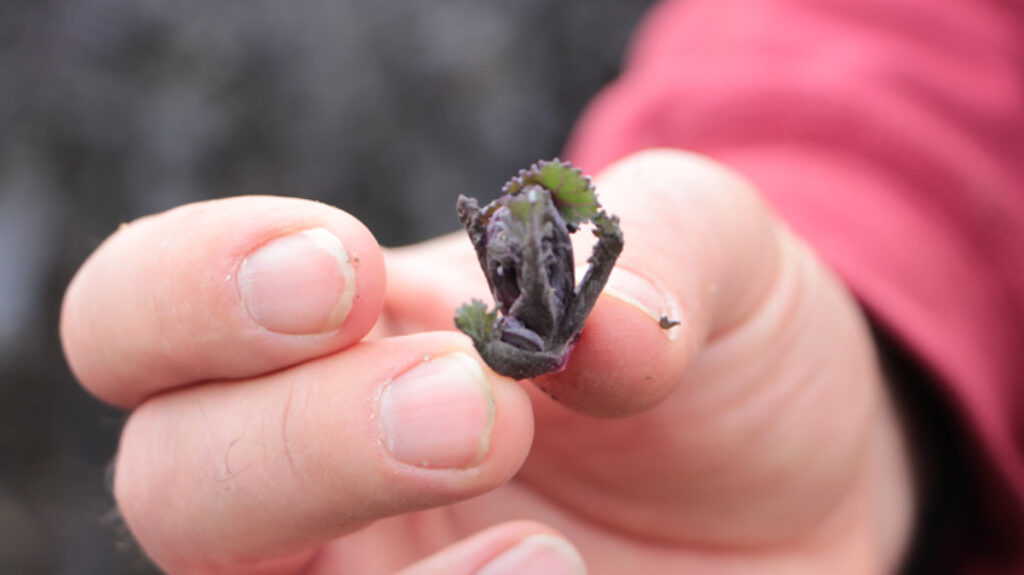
{"type": "Point", "coordinates": [755, 437]}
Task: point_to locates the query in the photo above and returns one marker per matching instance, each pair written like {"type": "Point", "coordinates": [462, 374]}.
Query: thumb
{"type": "Point", "coordinates": [701, 249]}
{"type": "Point", "coordinates": [701, 253]}
{"type": "Point", "coordinates": [506, 549]}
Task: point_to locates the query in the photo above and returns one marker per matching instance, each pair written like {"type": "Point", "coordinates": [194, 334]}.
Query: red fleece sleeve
{"type": "Point", "coordinates": [890, 135]}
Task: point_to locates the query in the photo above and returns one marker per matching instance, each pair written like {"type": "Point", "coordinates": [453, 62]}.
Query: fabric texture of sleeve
{"type": "Point", "coordinates": [890, 135]}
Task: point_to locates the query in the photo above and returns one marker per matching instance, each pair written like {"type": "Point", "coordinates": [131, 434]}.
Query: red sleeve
{"type": "Point", "coordinates": [890, 134]}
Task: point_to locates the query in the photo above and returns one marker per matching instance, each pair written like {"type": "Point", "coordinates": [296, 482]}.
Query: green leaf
{"type": "Point", "coordinates": [521, 208]}
{"type": "Point", "coordinates": [571, 191]}
{"type": "Point", "coordinates": [474, 320]}
{"type": "Point", "coordinates": [605, 224]}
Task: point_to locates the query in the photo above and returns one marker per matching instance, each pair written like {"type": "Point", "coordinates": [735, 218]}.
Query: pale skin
{"type": "Point", "coordinates": [757, 436]}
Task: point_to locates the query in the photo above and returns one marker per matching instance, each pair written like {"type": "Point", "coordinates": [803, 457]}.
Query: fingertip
{"type": "Point", "coordinates": [539, 553]}
{"type": "Point", "coordinates": [450, 412]}
{"type": "Point", "coordinates": [624, 362]}
{"type": "Point", "coordinates": [318, 271]}
{"type": "Point", "coordinates": [223, 289]}
{"type": "Point", "coordinates": [315, 443]}
{"type": "Point", "coordinates": [493, 452]}
{"type": "Point", "coordinates": [508, 548]}
{"type": "Point", "coordinates": [513, 425]}
{"type": "Point", "coordinates": [350, 320]}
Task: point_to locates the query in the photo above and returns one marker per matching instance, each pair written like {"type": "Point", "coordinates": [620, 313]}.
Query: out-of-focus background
{"type": "Point", "coordinates": [113, 109]}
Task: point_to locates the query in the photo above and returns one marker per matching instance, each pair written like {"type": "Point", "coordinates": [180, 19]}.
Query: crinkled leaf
{"type": "Point", "coordinates": [571, 191]}
{"type": "Point", "coordinates": [474, 320]}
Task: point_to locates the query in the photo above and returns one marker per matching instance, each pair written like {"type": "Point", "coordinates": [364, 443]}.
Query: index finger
{"type": "Point", "coordinates": [222, 289]}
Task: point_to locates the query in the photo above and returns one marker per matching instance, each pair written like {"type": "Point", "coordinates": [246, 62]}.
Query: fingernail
{"type": "Point", "coordinates": [439, 414]}
{"type": "Point", "coordinates": [540, 553]}
{"type": "Point", "coordinates": [299, 283]}
{"type": "Point", "coordinates": [645, 295]}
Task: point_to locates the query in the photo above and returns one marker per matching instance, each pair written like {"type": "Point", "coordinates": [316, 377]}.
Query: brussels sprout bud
{"type": "Point", "coordinates": [522, 242]}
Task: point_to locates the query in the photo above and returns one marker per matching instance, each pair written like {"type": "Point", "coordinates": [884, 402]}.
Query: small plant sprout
{"type": "Point", "coordinates": [522, 242]}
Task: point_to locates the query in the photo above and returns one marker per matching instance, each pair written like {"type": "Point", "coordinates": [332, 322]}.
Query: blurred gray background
{"type": "Point", "coordinates": [113, 109]}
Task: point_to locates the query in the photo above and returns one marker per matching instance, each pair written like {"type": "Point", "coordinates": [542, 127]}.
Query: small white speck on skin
{"type": "Point", "coordinates": [426, 357]}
